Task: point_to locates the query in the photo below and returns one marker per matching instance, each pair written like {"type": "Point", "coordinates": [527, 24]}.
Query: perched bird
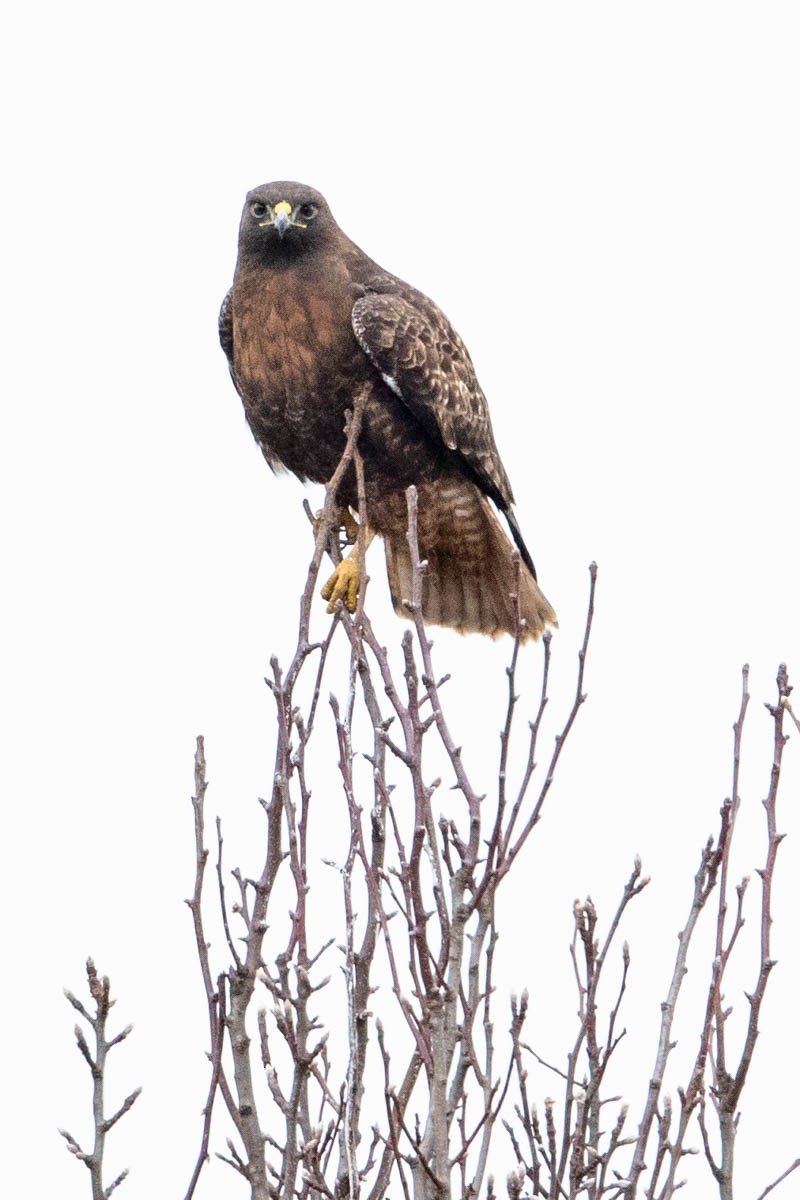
{"type": "Point", "coordinates": [309, 323]}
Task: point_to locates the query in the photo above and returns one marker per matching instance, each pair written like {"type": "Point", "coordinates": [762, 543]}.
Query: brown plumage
{"type": "Point", "coordinates": [309, 321]}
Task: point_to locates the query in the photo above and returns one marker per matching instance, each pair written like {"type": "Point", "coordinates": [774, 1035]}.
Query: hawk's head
{"type": "Point", "coordinates": [282, 219]}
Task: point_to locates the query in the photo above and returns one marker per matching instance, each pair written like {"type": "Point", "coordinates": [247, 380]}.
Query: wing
{"type": "Point", "coordinates": [424, 361]}
{"type": "Point", "coordinates": [226, 328]}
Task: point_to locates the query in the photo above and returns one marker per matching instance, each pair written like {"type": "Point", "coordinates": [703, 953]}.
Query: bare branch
{"type": "Point", "coordinates": [780, 1179]}
{"type": "Point", "coordinates": [99, 989]}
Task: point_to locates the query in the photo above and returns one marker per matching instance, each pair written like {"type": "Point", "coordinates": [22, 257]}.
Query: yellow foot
{"type": "Point", "coordinates": [342, 585]}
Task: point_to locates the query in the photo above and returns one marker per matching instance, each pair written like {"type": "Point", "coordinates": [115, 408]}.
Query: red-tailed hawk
{"type": "Point", "coordinates": [309, 322]}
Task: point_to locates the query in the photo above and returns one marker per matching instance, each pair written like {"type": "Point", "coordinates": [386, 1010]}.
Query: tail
{"type": "Point", "coordinates": [472, 577]}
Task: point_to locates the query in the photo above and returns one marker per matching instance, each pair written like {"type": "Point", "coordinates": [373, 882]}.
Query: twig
{"type": "Point", "coordinates": [780, 1179]}
{"type": "Point", "coordinates": [216, 1065]}
{"type": "Point", "coordinates": [99, 989]}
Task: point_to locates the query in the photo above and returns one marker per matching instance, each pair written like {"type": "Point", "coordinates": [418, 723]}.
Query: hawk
{"type": "Point", "coordinates": [310, 322]}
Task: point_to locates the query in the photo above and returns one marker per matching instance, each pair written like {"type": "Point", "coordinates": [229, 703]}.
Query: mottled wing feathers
{"type": "Point", "coordinates": [424, 361]}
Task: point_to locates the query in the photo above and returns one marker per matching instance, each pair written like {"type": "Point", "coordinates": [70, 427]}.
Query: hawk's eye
{"type": "Point", "coordinates": [258, 209]}
{"type": "Point", "coordinates": [308, 211]}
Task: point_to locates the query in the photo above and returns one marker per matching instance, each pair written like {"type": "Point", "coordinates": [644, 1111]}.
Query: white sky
{"type": "Point", "coordinates": [604, 198]}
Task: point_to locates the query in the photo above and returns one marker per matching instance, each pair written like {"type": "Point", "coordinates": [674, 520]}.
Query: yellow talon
{"type": "Point", "coordinates": [342, 585]}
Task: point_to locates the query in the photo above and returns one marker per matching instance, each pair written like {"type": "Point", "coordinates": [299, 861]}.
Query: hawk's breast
{"type": "Point", "coordinates": [297, 364]}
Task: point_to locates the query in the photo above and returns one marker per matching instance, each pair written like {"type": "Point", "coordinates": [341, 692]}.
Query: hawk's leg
{"type": "Point", "coordinates": [347, 525]}
{"type": "Point", "coordinates": [345, 581]}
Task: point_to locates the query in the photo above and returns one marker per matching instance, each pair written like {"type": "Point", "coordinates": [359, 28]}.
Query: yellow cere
{"type": "Point", "coordinates": [282, 207]}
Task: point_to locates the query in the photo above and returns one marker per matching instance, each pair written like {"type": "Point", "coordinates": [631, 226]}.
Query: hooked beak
{"type": "Point", "coordinates": [282, 217]}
